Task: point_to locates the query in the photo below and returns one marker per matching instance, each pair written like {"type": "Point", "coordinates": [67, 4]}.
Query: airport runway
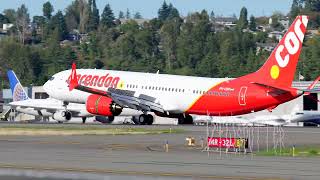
{"type": "Point", "coordinates": [143, 157]}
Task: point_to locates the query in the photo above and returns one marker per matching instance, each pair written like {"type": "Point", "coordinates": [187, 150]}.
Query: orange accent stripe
{"type": "Point", "coordinates": [202, 96]}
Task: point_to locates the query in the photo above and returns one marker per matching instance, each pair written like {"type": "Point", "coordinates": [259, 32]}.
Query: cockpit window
{"type": "Point", "coordinates": [52, 78]}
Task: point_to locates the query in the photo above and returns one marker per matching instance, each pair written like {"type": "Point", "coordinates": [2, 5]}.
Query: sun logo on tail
{"type": "Point", "coordinates": [18, 93]}
{"type": "Point", "coordinates": [274, 72]}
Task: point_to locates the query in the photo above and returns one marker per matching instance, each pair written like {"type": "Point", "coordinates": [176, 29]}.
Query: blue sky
{"type": "Point", "coordinates": [149, 8]}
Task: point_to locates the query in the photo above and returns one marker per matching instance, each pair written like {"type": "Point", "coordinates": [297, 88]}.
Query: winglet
{"type": "Point", "coordinates": [73, 78]}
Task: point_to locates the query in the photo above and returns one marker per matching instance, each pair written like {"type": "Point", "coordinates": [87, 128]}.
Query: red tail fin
{"type": "Point", "coordinates": [280, 67]}
{"type": "Point", "coordinates": [73, 78]}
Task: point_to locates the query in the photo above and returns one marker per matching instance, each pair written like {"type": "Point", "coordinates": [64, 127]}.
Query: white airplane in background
{"type": "Point", "coordinates": [108, 92]}
{"type": "Point", "coordinates": [43, 107]}
{"type": "Point", "coordinates": [50, 107]}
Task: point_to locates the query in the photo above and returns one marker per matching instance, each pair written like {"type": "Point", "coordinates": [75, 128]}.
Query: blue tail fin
{"type": "Point", "coordinates": [18, 93]}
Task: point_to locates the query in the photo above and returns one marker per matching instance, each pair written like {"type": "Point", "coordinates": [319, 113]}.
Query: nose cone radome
{"type": "Point", "coordinates": [48, 87]}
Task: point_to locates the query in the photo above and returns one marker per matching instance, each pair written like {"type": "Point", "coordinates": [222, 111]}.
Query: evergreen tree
{"type": "Point", "coordinates": [47, 10]}
{"type": "Point", "coordinates": [164, 11]}
{"type": "Point", "coordinates": [243, 19]}
{"type": "Point", "coordinates": [3, 19]}
{"type": "Point", "coordinates": [128, 15]}
{"type": "Point", "coordinates": [173, 13]}
{"type": "Point", "coordinates": [107, 17]}
{"type": "Point", "coordinates": [252, 24]}
{"type": "Point", "coordinates": [212, 16]}
{"type": "Point", "coordinates": [93, 16]}
{"type": "Point", "coordinates": [11, 14]}
{"type": "Point", "coordinates": [58, 24]}
{"type": "Point", "coordinates": [137, 15]}
{"type": "Point", "coordinates": [72, 16]}
{"type": "Point", "coordinates": [295, 9]}
{"type": "Point", "coordinates": [121, 15]}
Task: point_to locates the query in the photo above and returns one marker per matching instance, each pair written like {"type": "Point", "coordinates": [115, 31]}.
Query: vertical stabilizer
{"type": "Point", "coordinates": [280, 68]}
{"type": "Point", "coordinates": [18, 93]}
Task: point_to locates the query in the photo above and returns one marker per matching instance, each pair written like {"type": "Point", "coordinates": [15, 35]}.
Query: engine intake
{"type": "Point", "coordinates": [101, 105]}
{"type": "Point", "coordinates": [62, 116]}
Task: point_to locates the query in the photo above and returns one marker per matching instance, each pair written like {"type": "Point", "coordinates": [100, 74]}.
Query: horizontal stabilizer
{"type": "Point", "coordinates": [274, 90]}
{"type": "Point", "coordinates": [311, 88]}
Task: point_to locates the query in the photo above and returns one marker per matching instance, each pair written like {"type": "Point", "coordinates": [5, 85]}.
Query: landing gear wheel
{"type": "Point", "coordinates": [143, 119]}
{"type": "Point", "coordinates": [149, 119]}
{"type": "Point", "coordinates": [181, 120]}
{"type": "Point", "coordinates": [185, 120]}
{"type": "Point", "coordinates": [110, 119]}
{"type": "Point", "coordinates": [189, 119]}
{"type": "Point", "coordinates": [84, 120]}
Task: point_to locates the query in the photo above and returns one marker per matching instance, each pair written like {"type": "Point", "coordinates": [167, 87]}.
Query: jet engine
{"type": "Point", "coordinates": [62, 116]}
{"type": "Point", "coordinates": [103, 106]}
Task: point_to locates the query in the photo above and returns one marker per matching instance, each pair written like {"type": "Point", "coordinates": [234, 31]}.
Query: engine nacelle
{"type": "Point", "coordinates": [62, 116]}
{"type": "Point", "coordinates": [101, 105]}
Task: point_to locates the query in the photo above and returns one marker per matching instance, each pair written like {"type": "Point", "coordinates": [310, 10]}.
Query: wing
{"type": "Point", "coordinates": [50, 106]}
{"type": "Point", "coordinates": [125, 98]}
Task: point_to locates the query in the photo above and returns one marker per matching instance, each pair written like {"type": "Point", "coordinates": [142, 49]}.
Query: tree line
{"type": "Point", "coordinates": [192, 45]}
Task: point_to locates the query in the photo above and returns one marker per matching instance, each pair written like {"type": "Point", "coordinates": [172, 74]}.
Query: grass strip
{"type": "Point", "coordinates": [80, 130]}
{"type": "Point", "coordinates": [300, 151]}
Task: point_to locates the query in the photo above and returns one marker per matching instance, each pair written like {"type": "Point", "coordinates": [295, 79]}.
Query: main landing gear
{"type": "Point", "coordinates": [185, 119]}
{"type": "Point", "coordinates": [84, 120]}
{"type": "Point", "coordinates": [145, 119]}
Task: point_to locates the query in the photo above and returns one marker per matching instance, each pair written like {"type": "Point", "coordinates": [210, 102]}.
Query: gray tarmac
{"type": "Point", "coordinates": [144, 156]}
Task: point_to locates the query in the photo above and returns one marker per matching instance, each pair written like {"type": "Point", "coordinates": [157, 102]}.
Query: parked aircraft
{"type": "Point", "coordinates": [107, 92]}
{"type": "Point", "coordinates": [43, 107]}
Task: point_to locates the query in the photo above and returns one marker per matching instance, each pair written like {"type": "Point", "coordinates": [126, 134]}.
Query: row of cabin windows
{"type": "Point", "coordinates": [210, 93]}
{"type": "Point", "coordinates": [156, 88]}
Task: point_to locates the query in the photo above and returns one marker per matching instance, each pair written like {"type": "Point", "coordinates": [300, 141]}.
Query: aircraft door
{"type": "Point", "coordinates": [242, 96]}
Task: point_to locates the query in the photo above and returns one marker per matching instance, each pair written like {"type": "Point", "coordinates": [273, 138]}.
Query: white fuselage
{"type": "Point", "coordinates": [175, 93]}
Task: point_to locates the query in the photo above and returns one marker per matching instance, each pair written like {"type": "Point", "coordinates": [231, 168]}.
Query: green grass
{"type": "Point", "coordinates": [79, 130]}
{"type": "Point", "coordinates": [305, 151]}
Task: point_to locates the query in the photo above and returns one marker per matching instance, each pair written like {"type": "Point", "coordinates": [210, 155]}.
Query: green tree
{"type": "Point", "coordinates": [11, 14]}
{"type": "Point", "coordinates": [128, 16]}
{"type": "Point", "coordinates": [164, 11]}
{"type": "Point", "coordinates": [47, 10]}
{"type": "Point", "coordinates": [22, 22]}
{"type": "Point", "coordinates": [72, 16]}
{"type": "Point", "coordinates": [252, 23]}
{"type": "Point", "coordinates": [212, 16]}
{"type": "Point", "coordinates": [39, 20]}
{"type": "Point", "coordinates": [3, 19]}
{"type": "Point", "coordinates": [107, 17]}
{"type": "Point", "coordinates": [93, 16]}
{"type": "Point", "coordinates": [58, 24]}
{"type": "Point", "coordinates": [173, 12]}
{"type": "Point", "coordinates": [243, 18]}
{"type": "Point", "coordinates": [121, 15]}
{"type": "Point", "coordinates": [312, 5]}
{"type": "Point", "coordinates": [84, 11]}
{"type": "Point", "coordinates": [137, 15]}
{"type": "Point", "coordinates": [169, 35]}
{"type": "Point", "coordinates": [295, 9]}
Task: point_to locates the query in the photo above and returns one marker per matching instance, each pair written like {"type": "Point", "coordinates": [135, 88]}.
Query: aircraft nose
{"type": "Point", "coordinates": [46, 87]}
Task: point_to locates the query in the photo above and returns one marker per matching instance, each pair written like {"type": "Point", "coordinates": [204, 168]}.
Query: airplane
{"type": "Point", "coordinates": [43, 107]}
{"type": "Point", "coordinates": [108, 92]}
